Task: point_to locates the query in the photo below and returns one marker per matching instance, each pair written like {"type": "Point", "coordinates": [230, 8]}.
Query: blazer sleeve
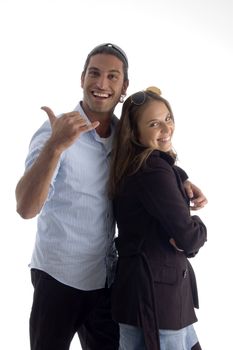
{"type": "Point", "coordinates": [183, 175]}
{"type": "Point", "coordinates": [162, 198]}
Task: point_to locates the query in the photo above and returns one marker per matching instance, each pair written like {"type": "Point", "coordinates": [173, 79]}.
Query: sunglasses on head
{"type": "Point", "coordinates": [139, 97]}
{"type": "Point", "coordinates": [114, 47]}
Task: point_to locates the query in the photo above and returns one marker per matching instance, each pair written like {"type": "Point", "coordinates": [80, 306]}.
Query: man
{"type": "Point", "coordinates": [65, 183]}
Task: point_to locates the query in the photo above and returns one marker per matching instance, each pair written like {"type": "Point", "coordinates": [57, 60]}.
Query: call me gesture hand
{"type": "Point", "coordinates": [67, 128]}
{"type": "Point", "coordinates": [32, 189]}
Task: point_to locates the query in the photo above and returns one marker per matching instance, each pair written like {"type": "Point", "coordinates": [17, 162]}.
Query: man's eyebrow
{"type": "Point", "coordinates": [115, 71]}
{"type": "Point", "coordinates": [93, 68]}
{"type": "Point", "coordinates": [110, 71]}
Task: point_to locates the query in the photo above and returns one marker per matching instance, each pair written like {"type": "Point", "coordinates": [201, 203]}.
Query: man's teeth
{"type": "Point", "coordinates": [99, 94]}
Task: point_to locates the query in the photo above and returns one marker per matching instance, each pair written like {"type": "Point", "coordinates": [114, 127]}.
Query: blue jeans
{"type": "Point", "coordinates": [132, 338]}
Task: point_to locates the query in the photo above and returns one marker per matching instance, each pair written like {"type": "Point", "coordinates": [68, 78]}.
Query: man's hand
{"type": "Point", "coordinates": [173, 243]}
{"type": "Point", "coordinates": [67, 128]}
{"type": "Point", "coordinates": [197, 198]}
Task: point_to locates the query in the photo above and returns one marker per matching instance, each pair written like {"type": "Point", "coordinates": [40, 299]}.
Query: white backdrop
{"type": "Point", "coordinates": [182, 46]}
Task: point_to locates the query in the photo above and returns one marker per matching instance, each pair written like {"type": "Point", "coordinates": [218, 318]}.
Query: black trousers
{"type": "Point", "coordinates": [59, 311]}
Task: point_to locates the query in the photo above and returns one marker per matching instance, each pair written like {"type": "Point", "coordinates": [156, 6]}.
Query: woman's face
{"type": "Point", "coordinates": [156, 126]}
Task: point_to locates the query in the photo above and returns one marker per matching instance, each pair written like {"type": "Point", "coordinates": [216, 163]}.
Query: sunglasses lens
{"type": "Point", "coordinates": [117, 48]}
{"type": "Point", "coordinates": [138, 98]}
{"type": "Point", "coordinates": [113, 47]}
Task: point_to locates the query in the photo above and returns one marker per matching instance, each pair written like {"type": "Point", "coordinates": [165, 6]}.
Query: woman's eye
{"type": "Point", "coordinates": [154, 125]}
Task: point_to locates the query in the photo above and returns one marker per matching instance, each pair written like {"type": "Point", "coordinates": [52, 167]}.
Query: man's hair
{"type": "Point", "coordinates": [109, 49]}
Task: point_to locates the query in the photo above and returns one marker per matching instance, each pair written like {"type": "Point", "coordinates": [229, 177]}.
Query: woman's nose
{"type": "Point", "coordinates": [164, 128]}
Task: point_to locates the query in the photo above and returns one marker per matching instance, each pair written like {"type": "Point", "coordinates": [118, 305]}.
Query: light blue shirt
{"type": "Point", "coordinates": [75, 231]}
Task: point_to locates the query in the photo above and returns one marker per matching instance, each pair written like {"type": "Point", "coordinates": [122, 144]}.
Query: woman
{"type": "Point", "coordinates": [154, 293]}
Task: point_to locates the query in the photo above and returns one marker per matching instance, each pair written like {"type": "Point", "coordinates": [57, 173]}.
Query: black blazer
{"type": "Point", "coordinates": [155, 285]}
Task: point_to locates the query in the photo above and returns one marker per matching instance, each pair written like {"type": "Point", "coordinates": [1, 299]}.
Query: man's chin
{"type": "Point", "coordinates": [104, 108]}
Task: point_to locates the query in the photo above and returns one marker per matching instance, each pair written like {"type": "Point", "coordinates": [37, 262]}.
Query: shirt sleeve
{"type": "Point", "coordinates": [36, 145]}
{"type": "Point", "coordinates": [161, 195]}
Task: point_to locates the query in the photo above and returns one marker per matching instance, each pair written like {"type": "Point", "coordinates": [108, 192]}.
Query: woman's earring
{"type": "Point", "coordinates": [122, 98]}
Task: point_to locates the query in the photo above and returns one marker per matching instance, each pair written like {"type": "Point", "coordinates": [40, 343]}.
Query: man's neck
{"type": "Point", "coordinates": [104, 129]}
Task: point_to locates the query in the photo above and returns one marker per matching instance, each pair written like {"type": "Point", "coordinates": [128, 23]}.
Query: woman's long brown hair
{"type": "Point", "coordinates": [128, 155]}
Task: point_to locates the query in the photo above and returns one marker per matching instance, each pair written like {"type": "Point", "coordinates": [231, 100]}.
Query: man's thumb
{"type": "Point", "coordinates": [50, 114]}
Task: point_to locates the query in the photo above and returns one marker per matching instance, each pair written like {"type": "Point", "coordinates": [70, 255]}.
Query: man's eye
{"type": "Point", "coordinates": [93, 74]}
{"type": "Point", "coordinates": [112, 77]}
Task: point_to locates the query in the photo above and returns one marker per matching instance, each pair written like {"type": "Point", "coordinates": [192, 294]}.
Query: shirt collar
{"type": "Point", "coordinates": [79, 109]}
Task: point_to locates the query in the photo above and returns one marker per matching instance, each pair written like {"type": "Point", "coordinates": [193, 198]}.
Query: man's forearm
{"type": "Point", "coordinates": [32, 189]}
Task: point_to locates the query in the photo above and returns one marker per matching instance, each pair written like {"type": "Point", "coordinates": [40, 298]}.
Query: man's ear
{"type": "Point", "coordinates": [125, 87]}
{"type": "Point", "coordinates": [82, 79]}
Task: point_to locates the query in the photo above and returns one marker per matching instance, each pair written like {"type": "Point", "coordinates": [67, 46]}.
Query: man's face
{"type": "Point", "coordinates": [103, 84]}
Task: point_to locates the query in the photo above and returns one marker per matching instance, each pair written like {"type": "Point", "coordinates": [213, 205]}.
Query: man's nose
{"type": "Point", "coordinates": [102, 82]}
